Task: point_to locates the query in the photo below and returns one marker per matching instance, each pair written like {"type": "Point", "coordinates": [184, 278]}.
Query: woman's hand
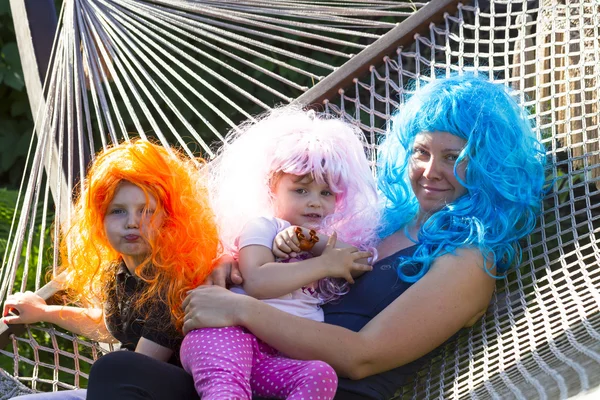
{"type": "Point", "coordinates": [212, 307]}
{"type": "Point", "coordinates": [30, 308]}
{"type": "Point", "coordinates": [226, 272]}
{"type": "Point", "coordinates": [286, 244]}
{"type": "Point", "coordinates": [342, 262]}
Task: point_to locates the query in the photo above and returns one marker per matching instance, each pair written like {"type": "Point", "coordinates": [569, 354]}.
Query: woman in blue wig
{"type": "Point", "coordinates": [461, 177]}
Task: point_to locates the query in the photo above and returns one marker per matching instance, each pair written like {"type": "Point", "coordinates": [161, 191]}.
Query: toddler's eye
{"type": "Point", "coordinates": [300, 191]}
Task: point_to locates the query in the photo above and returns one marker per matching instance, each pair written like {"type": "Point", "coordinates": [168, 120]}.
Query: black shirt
{"type": "Point", "coordinates": [128, 325]}
{"type": "Point", "coordinates": [370, 294]}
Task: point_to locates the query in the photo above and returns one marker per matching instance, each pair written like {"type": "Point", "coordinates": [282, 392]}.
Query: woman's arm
{"type": "Point", "coordinates": [454, 291]}
{"type": "Point", "coordinates": [264, 278]}
{"type": "Point", "coordinates": [31, 308]}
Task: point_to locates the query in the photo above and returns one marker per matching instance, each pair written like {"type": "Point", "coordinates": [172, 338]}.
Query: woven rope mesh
{"type": "Point", "coordinates": [130, 68]}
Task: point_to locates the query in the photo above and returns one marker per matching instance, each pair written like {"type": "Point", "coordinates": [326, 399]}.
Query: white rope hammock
{"type": "Point", "coordinates": [185, 72]}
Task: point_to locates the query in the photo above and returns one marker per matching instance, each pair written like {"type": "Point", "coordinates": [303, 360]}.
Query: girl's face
{"type": "Point", "coordinates": [128, 223]}
{"type": "Point", "coordinates": [302, 201]}
{"type": "Point", "coordinates": [431, 170]}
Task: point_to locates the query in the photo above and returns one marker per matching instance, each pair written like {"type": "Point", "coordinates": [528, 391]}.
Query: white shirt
{"type": "Point", "coordinates": [302, 302]}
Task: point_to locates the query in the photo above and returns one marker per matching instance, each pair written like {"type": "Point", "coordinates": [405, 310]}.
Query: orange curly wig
{"type": "Point", "coordinates": [182, 249]}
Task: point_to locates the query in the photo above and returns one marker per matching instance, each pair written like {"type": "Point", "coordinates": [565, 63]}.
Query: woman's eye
{"type": "Point", "coordinates": [452, 157]}
{"type": "Point", "coordinates": [419, 152]}
{"type": "Point", "coordinates": [116, 211]}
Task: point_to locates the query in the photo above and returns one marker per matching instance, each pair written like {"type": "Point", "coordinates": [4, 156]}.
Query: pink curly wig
{"type": "Point", "coordinates": [183, 247]}
{"type": "Point", "coordinates": [293, 141]}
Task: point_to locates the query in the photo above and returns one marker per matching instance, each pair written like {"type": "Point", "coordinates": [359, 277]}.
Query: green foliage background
{"type": "Point", "coordinates": [16, 128]}
{"type": "Point", "coordinates": [16, 122]}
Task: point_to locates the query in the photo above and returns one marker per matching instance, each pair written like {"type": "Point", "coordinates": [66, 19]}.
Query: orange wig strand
{"type": "Point", "coordinates": [182, 248]}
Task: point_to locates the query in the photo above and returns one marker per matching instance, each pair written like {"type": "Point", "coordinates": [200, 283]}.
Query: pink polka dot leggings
{"type": "Point", "coordinates": [231, 363]}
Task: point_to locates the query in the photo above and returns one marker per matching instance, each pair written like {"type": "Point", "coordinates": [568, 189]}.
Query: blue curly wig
{"type": "Point", "coordinates": [504, 177]}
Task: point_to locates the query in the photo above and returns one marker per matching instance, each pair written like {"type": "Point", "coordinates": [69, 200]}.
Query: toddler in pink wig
{"type": "Point", "coordinates": [278, 178]}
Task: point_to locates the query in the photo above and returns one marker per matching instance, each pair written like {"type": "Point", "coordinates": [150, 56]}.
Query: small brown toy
{"type": "Point", "coordinates": [306, 243]}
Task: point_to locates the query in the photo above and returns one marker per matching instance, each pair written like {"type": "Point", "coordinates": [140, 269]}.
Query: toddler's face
{"type": "Point", "coordinates": [302, 201]}
{"type": "Point", "coordinates": [129, 222]}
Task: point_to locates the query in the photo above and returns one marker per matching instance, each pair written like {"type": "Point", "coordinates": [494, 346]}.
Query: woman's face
{"type": "Point", "coordinates": [431, 170]}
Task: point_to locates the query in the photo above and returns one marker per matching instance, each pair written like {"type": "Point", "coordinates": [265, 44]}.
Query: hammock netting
{"type": "Point", "coordinates": [186, 72]}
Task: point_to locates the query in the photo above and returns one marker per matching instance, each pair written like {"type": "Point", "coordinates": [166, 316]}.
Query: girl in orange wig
{"type": "Point", "coordinates": [141, 236]}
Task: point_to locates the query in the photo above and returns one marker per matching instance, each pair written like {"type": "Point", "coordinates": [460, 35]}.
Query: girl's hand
{"type": "Point", "coordinates": [226, 272]}
{"type": "Point", "coordinates": [212, 307]}
{"type": "Point", "coordinates": [286, 243]}
{"type": "Point", "coordinates": [29, 306]}
{"type": "Point", "coordinates": [341, 262]}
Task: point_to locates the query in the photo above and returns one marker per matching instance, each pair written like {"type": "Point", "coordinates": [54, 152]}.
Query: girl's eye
{"type": "Point", "coordinates": [452, 157]}
{"type": "Point", "coordinates": [116, 211]}
{"type": "Point", "coordinates": [326, 193]}
{"type": "Point", "coordinates": [147, 212]}
{"type": "Point", "coordinates": [300, 191]}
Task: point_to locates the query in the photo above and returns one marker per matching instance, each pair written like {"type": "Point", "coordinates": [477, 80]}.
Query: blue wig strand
{"type": "Point", "coordinates": [504, 175]}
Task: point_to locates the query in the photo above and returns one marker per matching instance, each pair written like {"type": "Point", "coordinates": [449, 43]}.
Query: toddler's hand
{"type": "Point", "coordinates": [29, 307]}
{"type": "Point", "coordinates": [286, 243]}
{"type": "Point", "coordinates": [341, 262]}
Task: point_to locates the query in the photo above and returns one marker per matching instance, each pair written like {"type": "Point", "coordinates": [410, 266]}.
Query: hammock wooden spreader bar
{"type": "Point", "coordinates": [403, 34]}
